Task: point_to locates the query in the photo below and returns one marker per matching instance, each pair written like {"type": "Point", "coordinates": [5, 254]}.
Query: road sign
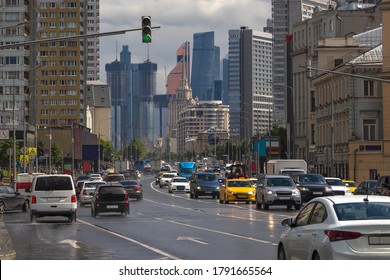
{"type": "Point", "coordinates": [32, 152]}
{"type": "Point", "coordinates": [24, 150]}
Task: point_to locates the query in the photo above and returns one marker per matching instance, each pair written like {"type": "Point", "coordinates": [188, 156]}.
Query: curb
{"type": "Point", "coordinates": [7, 251]}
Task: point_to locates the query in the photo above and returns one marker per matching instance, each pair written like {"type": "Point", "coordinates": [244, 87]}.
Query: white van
{"type": "Point", "coordinates": [53, 195]}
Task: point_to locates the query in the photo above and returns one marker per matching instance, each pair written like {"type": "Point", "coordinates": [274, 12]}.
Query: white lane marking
{"type": "Point", "coordinates": [223, 233]}
{"type": "Point", "coordinates": [71, 242]}
{"type": "Point", "coordinates": [158, 251]}
{"type": "Point", "coordinates": [193, 239]}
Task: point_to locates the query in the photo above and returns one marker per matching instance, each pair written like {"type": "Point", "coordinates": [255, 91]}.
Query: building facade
{"type": "Point", "coordinates": [249, 82]}
{"type": "Point", "coordinates": [181, 68]}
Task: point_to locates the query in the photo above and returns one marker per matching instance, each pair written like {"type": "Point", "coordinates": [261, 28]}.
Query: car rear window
{"type": "Point", "coordinates": [53, 184]}
{"type": "Point", "coordinates": [115, 178]}
{"type": "Point", "coordinates": [362, 211]}
{"type": "Point", "coordinates": [111, 190]}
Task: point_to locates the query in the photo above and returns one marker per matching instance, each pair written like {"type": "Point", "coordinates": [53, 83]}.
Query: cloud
{"type": "Point", "coordinates": [179, 20]}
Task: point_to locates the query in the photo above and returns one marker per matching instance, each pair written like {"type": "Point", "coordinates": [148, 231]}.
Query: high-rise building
{"type": "Point", "coordinates": [249, 88]}
{"type": "Point", "coordinates": [205, 66]}
{"type": "Point", "coordinates": [92, 45]}
{"type": "Point", "coordinates": [116, 78]}
{"type": "Point", "coordinates": [144, 90]}
{"type": "Point", "coordinates": [183, 64]}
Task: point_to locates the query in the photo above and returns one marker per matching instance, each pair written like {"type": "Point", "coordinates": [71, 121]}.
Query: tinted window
{"type": "Point", "coordinates": [303, 217]}
{"type": "Point", "coordinates": [279, 182]}
{"type": "Point", "coordinates": [115, 178]}
{"type": "Point", "coordinates": [319, 214]}
{"type": "Point", "coordinates": [362, 211]}
{"type": "Point", "coordinates": [244, 184]}
{"type": "Point", "coordinates": [207, 177]}
{"type": "Point", "coordinates": [111, 190]}
{"type": "Point", "coordinates": [53, 183]}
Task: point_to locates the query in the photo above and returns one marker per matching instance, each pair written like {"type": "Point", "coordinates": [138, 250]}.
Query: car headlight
{"type": "Point", "coordinates": [269, 192]}
{"type": "Point", "coordinates": [217, 188]}
{"type": "Point", "coordinates": [295, 192]}
{"type": "Point", "coordinates": [304, 189]}
{"type": "Point", "coordinates": [250, 193]}
{"type": "Point", "coordinates": [198, 187]}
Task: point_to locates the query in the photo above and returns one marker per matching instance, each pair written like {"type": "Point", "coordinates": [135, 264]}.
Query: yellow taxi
{"type": "Point", "coordinates": [351, 185]}
{"type": "Point", "coordinates": [237, 190]}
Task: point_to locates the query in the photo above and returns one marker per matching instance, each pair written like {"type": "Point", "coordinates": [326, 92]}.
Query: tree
{"type": "Point", "coordinates": [109, 153]}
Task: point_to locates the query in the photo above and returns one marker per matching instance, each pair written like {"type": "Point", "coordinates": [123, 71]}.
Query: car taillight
{"type": "Point", "coordinates": [137, 188]}
{"type": "Point", "coordinates": [84, 192]}
{"type": "Point", "coordinates": [337, 235]}
{"type": "Point", "coordinates": [126, 196]}
{"type": "Point", "coordinates": [33, 199]}
{"type": "Point", "coordinates": [73, 198]}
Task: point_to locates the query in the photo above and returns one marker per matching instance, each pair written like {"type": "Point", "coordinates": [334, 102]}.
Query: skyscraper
{"type": "Point", "coordinates": [249, 90]}
{"type": "Point", "coordinates": [205, 66]}
{"type": "Point", "coordinates": [175, 76]}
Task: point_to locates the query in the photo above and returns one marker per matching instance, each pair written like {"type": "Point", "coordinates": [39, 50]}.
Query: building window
{"type": "Point", "coordinates": [369, 129]}
{"type": "Point", "coordinates": [368, 88]}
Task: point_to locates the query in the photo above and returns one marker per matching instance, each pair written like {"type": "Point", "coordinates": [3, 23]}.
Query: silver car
{"type": "Point", "coordinates": [353, 227]}
{"type": "Point", "coordinates": [277, 190]}
{"type": "Point", "coordinates": [87, 191]}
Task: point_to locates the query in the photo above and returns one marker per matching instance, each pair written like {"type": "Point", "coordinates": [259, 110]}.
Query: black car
{"type": "Point", "coordinates": [365, 187]}
{"type": "Point", "coordinates": [110, 198]}
{"type": "Point", "coordinates": [133, 188]}
{"type": "Point", "coordinates": [12, 200]}
{"type": "Point", "coordinates": [311, 186]}
{"type": "Point", "coordinates": [382, 186]}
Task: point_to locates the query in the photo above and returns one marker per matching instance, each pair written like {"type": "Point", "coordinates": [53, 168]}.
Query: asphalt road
{"type": "Point", "coordinates": [161, 226]}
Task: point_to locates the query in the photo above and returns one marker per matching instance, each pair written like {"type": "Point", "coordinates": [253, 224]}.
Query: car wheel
{"type": "Point", "coordinates": [196, 196]}
{"type": "Point", "coordinates": [33, 218]}
{"type": "Point", "coordinates": [2, 207]}
{"type": "Point", "coordinates": [316, 256]}
{"type": "Point", "coordinates": [72, 218]}
{"type": "Point", "coordinates": [170, 191]}
{"type": "Point", "coordinates": [297, 207]}
{"type": "Point", "coordinates": [26, 205]}
{"type": "Point", "coordinates": [281, 253]}
{"type": "Point", "coordinates": [266, 206]}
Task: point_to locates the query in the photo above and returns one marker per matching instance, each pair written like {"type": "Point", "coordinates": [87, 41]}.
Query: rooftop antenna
{"type": "Point", "coordinates": [116, 51]}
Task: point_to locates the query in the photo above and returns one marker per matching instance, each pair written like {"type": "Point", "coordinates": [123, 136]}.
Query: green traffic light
{"type": "Point", "coordinates": [147, 38]}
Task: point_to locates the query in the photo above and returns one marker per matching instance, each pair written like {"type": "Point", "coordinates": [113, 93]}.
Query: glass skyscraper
{"type": "Point", "coordinates": [205, 66]}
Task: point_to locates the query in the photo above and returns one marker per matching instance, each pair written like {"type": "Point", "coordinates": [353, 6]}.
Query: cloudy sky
{"type": "Point", "coordinates": [179, 20]}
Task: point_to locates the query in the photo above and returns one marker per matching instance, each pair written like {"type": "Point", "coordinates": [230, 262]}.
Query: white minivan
{"type": "Point", "coordinates": [53, 195]}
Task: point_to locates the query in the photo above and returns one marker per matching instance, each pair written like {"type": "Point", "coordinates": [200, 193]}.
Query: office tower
{"type": "Point", "coordinates": [144, 89]}
{"type": "Point", "coordinates": [175, 76]}
{"type": "Point", "coordinates": [249, 88]}
{"type": "Point", "coordinates": [205, 66]}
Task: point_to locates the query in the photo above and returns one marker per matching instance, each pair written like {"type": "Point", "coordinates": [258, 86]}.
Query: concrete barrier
{"type": "Point", "coordinates": [7, 251]}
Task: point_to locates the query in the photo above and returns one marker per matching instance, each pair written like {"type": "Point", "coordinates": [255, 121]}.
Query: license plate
{"type": "Point", "coordinates": [242, 196]}
{"type": "Point", "coordinates": [379, 240]}
{"type": "Point", "coordinates": [317, 193]}
{"type": "Point", "coordinates": [112, 206]}
{"type": "Point", "coordinates": [208, 192]}
{"type": "Point", "coordinates": [284, 197]}
{"type": "Point", "coordinates": [53, 199]}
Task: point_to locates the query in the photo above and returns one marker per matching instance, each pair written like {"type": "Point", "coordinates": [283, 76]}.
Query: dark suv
{"type": "Point", "coordinates": [382, 186]}
{"type": "Point", "coordinates": [204, 184]}
{"type": "Point", "coordinates": [311, 186]}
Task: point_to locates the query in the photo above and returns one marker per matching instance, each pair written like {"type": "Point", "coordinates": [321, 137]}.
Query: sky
{"type": "Point", "coordinates": [178, 21]}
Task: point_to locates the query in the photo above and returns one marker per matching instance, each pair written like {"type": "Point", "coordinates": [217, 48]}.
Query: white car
{"type": "Point", "coordinates": [355, 227]}
{"type": "Point", "coordinates": [165, 178]}
{"type": "Point", "coordinates": [338, 186]}
{"type": "Point", "coordinates": [87, 191]}
{"type": "Point", "coordinates": [178, 184]}
{"type": "Point", "coordinates": [96, 177]}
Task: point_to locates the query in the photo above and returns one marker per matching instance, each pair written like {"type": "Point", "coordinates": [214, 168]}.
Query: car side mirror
{"type": "Point", "coordinates": [287, 222]}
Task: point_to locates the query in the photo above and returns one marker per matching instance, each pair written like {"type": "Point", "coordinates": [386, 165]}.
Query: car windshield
{"type": "Point", "coordinates": [335, 182]}
{"type": "Point", "coordinates": [179, 180]}
{"type": "Point", "coordinates": [207, 177]}
{"type": "Point", "coordinates": [279, 182]}
{"type": "Point", "coordinates": [243, 184]}
{"type": "Point", "coordinates": [312, 179]}
{"type": "Point", "coordinates": [92, 184]}
{"type": "Point", "coordinates": [169, 175]}
{"type": "Point", "coordinates": [362, 211]}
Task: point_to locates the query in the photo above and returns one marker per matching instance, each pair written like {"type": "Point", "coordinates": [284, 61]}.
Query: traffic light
{"type": "Point", "coordinates": [146, 29]}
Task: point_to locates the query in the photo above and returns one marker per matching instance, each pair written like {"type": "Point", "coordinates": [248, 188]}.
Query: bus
{"type": "Point", "coordinates": [140, 164]}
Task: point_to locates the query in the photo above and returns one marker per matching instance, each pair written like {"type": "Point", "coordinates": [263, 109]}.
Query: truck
{"type": "Point", "coordinates": [121, 166]}
{"type": "Point", "coordinates": [157, 164]}
{"type": "Point", "coordinates": [286, 166]}
{"type": "Point", "coordinates": [186, 168]}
